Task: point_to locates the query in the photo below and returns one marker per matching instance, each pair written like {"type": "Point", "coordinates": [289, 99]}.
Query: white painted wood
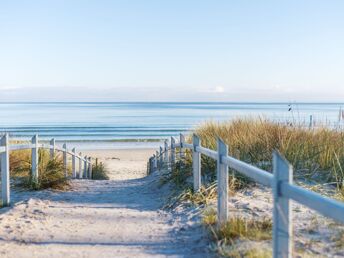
{"type": "Point", "coordinates": [52, 149]}
{"type": "Point", "coordinates": [324, 205]}
{"type": "Point", "coordinates": [85, 167]}
{"type": "Point", "coordinates": [282, 212]}
{"type": "Point", "coordinates": [222, 183]}
{"type": "Point", "coordinates": [80, 165]}
{"type": "Point", "coordinates": [257, 174]}
{"type": "Point", "coordinates": [161, 158]}
{"type": "Point", "coordinates": [74, 163]}
{"type": "Point", "coordinates": [5, 171]}
{"type": "Point", "coordinates": [157, 160]}
{"type": "Point", "coordinates": [173, 151]}
{"type": "Point", "coordinates": [90, 167]}
{"type": "Point", "coordinates": [187, 145]}
{"type": "Point", "coordinates": [65, 159]}
{"type": "Point", "coordinates": [166, 158]}
{"type": "Point", "coordinates": [155, 165]}
{"type": "Point", "coordinates": [34, 158]}
{"type": "Point", "coordinates": [210, 153]}
{"type": "Point", "coordinates": [196, 163]}
{"type": "Point", "coordinates": [181, 149]}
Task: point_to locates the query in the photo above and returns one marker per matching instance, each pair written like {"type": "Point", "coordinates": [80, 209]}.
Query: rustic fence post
{"type": "Point", "coordinates": [196, 163]}
{"type": "Point", "coordinates": [34, 159]}
{"type": "Point", "coordinates": [282, 212]}
{"type": "Point", "coordinates": [74, 163]}
{"type": "Point", "coordinates": [5, 171]}
{"type": "Point", "coordinates": [150, 165]}
{"type": "Point", "coordinates": [222, 183]}
{"type": "Point", "coordinates": [90, 167]}
{"type": "Point", "coordinates": [65, 159]}
{"type": "Point", "coordinates": [156, 162]}
{"type": "Point", "coordinates": [181, 150]}
{"type": "Point", "coordinates": [52, 148]}
{"type": "Point", "coordinates": [166, 152]}
{"type": "Point", "coordinates": [161, 158]}
{"type": "Point", "coordinates": [157, 159]}
{"type": "Point", "coordinates": [80, 165]}
{"type": "Point", "coordinates": [85, 167]}
{"type": "Point", "coordinates": [173, 151]}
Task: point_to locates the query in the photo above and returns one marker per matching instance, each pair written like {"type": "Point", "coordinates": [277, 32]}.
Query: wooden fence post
{"type": "Point", "coordinates": [90, 167]}
{"type": "Point", "coordinates": [157, 159]}
{"type": "Point", "coordinates": [166, 152]}
{"type": "Point", "coordinates": [5, 171]}
{"type": "Point", "coordinates": [161, 158]}
{"type": "Point", "coordinates": [85, 167]}
{"type": "Point", "coordinates": [155, 162]}
{"type": "Point", "coordinates": [34, 159]}
{"type": "Point", "coordinates": [222, 183]}
{"type": "Point", "coordinates": [80, 165]}
{"type": "Point", "coordinates": [74, 163]}
{"type": "Point", "coordinates": [181, 150]}
{"type": "Point", "coordinates": [65, 159]}
{"type": "Point", "coordinates": [173, 151]}
{"type": "Point", "coordinates": [52, 149]}
{"type": "Point", "coordinates": [282, 212]}
{"type": "Point", "coordinates": [196, 163]}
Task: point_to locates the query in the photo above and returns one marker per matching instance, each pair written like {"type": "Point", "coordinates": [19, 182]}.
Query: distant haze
{"type": "Point", "coordinates": [154, 50]}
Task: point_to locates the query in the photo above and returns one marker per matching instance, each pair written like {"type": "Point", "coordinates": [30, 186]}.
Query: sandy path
{"type": "Point", "coordinates": [116, 218]}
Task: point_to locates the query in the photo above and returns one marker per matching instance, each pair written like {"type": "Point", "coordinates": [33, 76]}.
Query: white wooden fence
{"type": "Point", "coordinates": [281, 182]}
{"type": "Point", "coordinates": [85, 165]}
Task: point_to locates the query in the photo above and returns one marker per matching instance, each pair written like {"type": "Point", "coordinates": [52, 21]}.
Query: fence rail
{"type": "Point", "coordinates": [85, 163]}
{"type": "Point", "coordinates": [281, 182]}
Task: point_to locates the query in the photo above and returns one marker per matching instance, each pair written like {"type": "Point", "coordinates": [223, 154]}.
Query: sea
{"type": "Point", "coordinates": [115, 125]}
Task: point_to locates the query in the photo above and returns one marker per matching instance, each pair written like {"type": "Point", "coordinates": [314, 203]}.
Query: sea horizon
{"type": "Point", "coordinates": [144, 124]}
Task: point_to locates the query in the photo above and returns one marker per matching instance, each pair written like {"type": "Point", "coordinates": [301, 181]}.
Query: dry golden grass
{"type": "Point", "coordinates": [50, 171]}
{"type": "Point", "coordinates": [314, 153]}
{"type": "Point", "coordinates": [231, 238]}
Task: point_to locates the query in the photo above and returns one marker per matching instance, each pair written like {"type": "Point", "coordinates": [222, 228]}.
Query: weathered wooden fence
{"type": "Point", "coordinates": [85, 164]}
{"type": "Point", "coordinates": [281, 182]}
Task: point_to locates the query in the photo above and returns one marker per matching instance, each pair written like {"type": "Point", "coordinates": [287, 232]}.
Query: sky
{"type": "Point", "coordinates": [153, 50]}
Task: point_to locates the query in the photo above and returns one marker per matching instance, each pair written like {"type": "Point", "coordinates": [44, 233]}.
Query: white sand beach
{"type": "Point", "coordinates": [120, 217]}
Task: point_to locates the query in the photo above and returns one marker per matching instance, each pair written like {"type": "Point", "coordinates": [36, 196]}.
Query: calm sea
{"type": "Point", "coordinates": [107, 123]}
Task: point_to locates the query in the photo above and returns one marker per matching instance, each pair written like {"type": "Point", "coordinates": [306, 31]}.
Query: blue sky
{"type": "Point", "coordinates": [129, 50]}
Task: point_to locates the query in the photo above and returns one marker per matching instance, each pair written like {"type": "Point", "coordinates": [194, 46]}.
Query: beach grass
{"type": "Point", "coordinates": [99, 171]}
{"type": "Point", "coordinates": [50, 171]}
{"type": "Point", "coordinates": [229, 237]}
{"type": "Point", "coordinates": [315, 153]}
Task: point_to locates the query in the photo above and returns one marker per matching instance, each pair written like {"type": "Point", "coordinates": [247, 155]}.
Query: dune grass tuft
{"type": "Point", "coordinates": [50, 171]}
{"type": "Point", "coordinates": [316, 154]}
{"type": "Point", "coordinates": [99, 171]}
{"type": "Point", "coordinates": [231, 238]}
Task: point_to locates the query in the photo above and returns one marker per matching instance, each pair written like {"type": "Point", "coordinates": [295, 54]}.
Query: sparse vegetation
{"type": "Point", "coordinates": [317, 155]}
{"type": "Point", "coordinates": [229, 237]}
{"type": "Point", "coordinates": [99, 171]}
{"type": "Point", "coordinates": [239, 228]}
{"type": "Point", "coordinates": [50, 171]}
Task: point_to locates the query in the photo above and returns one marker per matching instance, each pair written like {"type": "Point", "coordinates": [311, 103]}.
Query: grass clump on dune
{"type": "Point", "coordinates": [50, 171]}
{"type": "Point", "coordinates": [239, 236]}
{"type": "Point", "coordinates": [99, 171]}
{"type": "Point", "coordinates": [238, 228]}
{"type": "Point", "coordinates": [314, 153]}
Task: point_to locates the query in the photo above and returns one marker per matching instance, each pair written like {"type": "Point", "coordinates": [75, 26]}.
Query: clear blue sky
{"type": "Point", "coordinates": [129, 50]}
